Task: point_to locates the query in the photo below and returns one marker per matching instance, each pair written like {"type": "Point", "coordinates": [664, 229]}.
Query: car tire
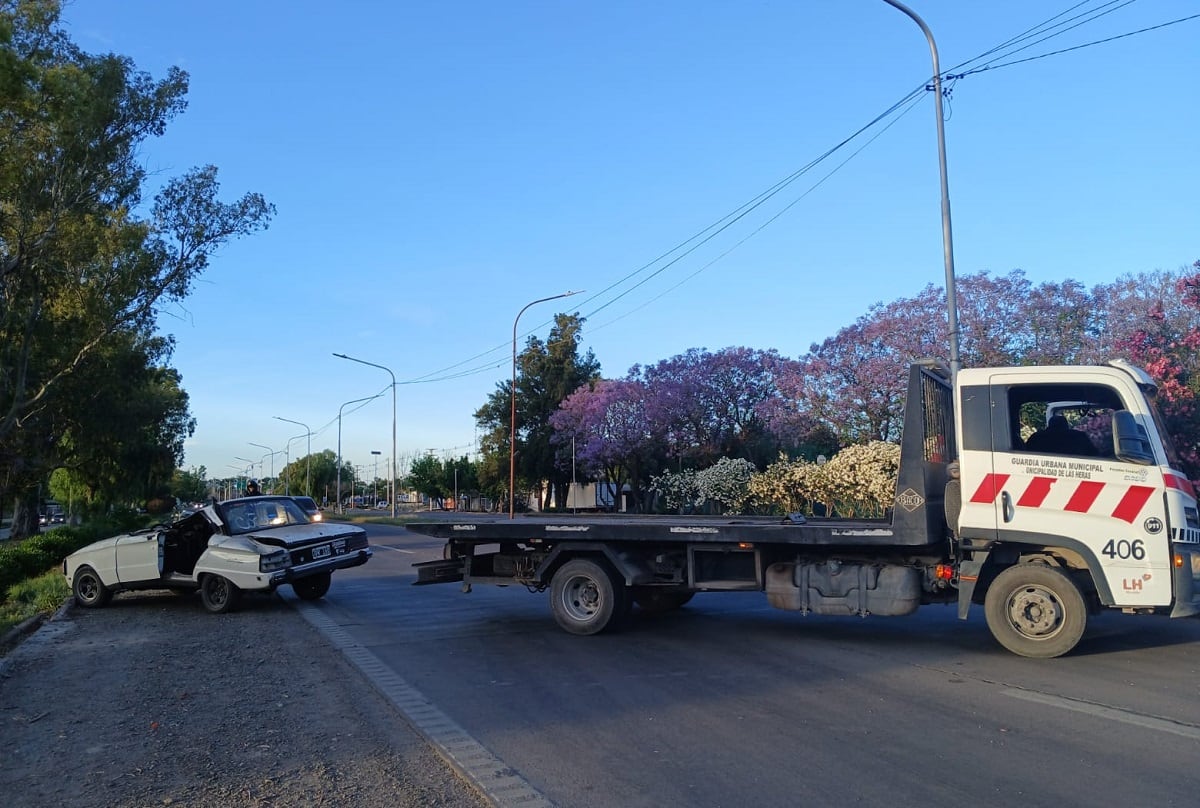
{"type": "Point", "coordinates": [313, 587]}
{"type": "Point", "coordinates": [89, 591]}
{"type": "Point", "coordinates": [219, 594]}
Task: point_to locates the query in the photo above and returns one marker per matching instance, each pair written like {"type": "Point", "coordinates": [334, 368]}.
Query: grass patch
{"type": "Point", "coordinates": [42, 594]}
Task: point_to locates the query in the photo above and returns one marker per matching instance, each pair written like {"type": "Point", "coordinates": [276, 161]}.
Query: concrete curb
{"type": "Point", "coordinates": [18, 633]}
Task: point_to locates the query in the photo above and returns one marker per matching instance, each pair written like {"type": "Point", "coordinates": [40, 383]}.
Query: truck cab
{"type": "Point", "coordinates": [1069, 482]}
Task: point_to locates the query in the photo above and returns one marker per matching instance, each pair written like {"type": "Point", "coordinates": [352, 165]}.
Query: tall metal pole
{"type": "Point", "coordinates": [273, 453]}
{"type": "Point", "coordinates": [512, 423]}
{"type": "Point", "coordinates": [947, 237]}
{"type": "Point", "coordinates": [308, 464]}
{"type": "Point", "coordinates": [340, 509]}
{"type": "Point", "coordinates": [391, 484]}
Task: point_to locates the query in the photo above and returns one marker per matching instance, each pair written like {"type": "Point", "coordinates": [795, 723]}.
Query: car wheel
{"type": "Point", "coordinates": [90, 592]}
{"type": "Point", "coordinates": [219, 594]}
{"type": "Point", "coordinates": [313, 587]}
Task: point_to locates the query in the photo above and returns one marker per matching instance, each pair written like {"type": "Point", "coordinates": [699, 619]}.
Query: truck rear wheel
{"type": "Point", "coordinates": [1035, 611]}
{"type": "Point", "coordinates": [585, 598]}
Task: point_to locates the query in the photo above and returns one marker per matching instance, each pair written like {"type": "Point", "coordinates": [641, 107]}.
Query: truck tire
{"type": "Point", "coordinates": [652, 600]}
{"type": "Point", "coordinates": [1035, 610]}
{"type": "Point", "coordinates": [586, 598]}
{"type": "Point", "coordinates": [219, 594]}
{"type": "Point", "coordinates": [89, 591]}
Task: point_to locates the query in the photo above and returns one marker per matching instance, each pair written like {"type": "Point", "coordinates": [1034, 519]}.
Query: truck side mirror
{"type": "Point", "coordinates": [1130, 441]}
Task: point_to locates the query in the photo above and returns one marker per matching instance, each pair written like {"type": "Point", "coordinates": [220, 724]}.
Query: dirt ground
{"type": "Point", "coordinates": [154, 702]}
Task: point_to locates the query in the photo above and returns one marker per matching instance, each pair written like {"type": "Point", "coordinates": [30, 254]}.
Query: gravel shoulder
{"type": "Point", "coordinates": [153, 701]}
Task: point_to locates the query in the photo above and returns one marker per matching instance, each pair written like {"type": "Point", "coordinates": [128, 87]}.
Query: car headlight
{"type": "Point", "coordinates": [317, 517]}
{"type": "Point", "coordinates": [278, 560]}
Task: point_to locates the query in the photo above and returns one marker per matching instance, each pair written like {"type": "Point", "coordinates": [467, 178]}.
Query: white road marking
{"type": "Point", "coordinates": [1111, 713]}
{"type": "Point", "coordinates": [396, 549]}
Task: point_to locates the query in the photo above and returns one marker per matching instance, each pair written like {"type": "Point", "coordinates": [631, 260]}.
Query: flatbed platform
{"type": "Point", "coordinates": [557, 528]}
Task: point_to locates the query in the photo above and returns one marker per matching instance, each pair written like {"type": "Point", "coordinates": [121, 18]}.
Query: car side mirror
{"type": "Point", "coordinates": [1130, 442]}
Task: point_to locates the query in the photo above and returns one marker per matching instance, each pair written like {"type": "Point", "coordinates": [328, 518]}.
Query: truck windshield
{"type": "Point", "coordinates": [1161, 425]}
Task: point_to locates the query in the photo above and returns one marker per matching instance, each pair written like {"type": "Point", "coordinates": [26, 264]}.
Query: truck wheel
{"type": "Point", "coordinates": [656, 601]}
{"type": "Point", "coordinates": [585, 598]}
{"type": "Point", "coordinates": [1035, 611]}
{"type": "Point", "coordinates": [219, 594]}
{"type": "Point", "coordinates": [89, 591]}
{"type": "Point", "coordinates": [313, 587]}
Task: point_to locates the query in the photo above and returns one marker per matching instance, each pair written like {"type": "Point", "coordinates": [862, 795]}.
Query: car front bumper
{"type": "Point", "coordinates": [354, 558]}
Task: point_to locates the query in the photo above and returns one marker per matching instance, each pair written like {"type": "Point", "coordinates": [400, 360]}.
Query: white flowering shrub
{"type": "Point", "coordinates": [725, 483]}
{"type": "Point", "coordinates": [859, 481]}
{"type": "Point", "coordinates": [679, 489]}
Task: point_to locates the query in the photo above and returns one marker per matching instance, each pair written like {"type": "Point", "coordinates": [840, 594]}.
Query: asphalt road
{"type": "Point", "coordinates": [728, 702]}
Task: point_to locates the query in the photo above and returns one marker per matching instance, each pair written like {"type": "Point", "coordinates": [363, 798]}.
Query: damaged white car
{"type": "Point", "coordinates": [223, 549]}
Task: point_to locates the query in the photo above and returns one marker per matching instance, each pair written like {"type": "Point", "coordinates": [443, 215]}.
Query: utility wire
{"type": "Point", "coordinates": [705, 235]}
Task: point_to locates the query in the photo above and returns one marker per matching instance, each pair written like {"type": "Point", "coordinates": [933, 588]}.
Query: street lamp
{"type": "Point", "coordinates": [273, 453]}
{"type": "Point", "coordinates": [947, 237]}
{"type": "Point", "coordinates": [512, 437]}
{"type": "Point", "coordinates": [252, 464]}
{"type": "Point", "coordinates": [308, 464]}
{"type": "Point", "coordinates": [340, 509]}
{"type": "Point", "coordinates": [392, 483]}
{"type": "Point", "coordinates": [375, 479]}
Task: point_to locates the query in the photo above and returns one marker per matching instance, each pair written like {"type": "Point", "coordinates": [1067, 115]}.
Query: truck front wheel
{"type": "Point", "coordinates": [585, 598]}
{"type": "Point", "coordinates": [1035, 611]}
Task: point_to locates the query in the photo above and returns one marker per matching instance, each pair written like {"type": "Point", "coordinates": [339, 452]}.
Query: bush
{"type": "Point", "coordinates": [22, 560]}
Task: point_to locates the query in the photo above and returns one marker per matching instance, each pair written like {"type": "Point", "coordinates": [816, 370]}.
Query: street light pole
{"type": "Point", "coordinates": [308, 463]}
{"type": "Point", "coordinates": [947, 237]}
{"type": "Point", "coordinates": [512, 423]}
{"type": "Point", "coordinates": [392, 483]}
{"type": "Point", "coordinates": [375, 479]}
{"type": "Point", "coordinates": [273, 452]}
{"type": "Point", "coordinates": [340, 509]}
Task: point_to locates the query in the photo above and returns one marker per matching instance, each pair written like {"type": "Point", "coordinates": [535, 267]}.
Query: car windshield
{"type": "Point", "coordinates": [246, 515]}
{"type": "Point", "coordinates": [307, 503]}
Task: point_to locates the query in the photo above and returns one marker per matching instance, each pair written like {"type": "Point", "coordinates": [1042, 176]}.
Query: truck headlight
{"type": "Point", "coordinates": [278, 560]}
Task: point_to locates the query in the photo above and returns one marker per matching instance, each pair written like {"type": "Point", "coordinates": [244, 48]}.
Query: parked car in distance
{"type": "Point", "coordinates": [223, 549]}
{"type": "Point", "coordinates": [381, 506]}
{"type": "Point", "coordinates": [310, 507]}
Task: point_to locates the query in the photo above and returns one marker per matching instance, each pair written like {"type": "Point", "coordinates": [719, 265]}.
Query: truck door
{"type": "Point", "coordinates": [1055, 481]}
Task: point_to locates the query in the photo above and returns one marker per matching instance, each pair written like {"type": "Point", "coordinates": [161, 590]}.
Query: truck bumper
{"type": "Point", "coordinates": [1187, 580]}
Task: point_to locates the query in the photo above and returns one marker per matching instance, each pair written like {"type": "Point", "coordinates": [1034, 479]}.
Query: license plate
{"type": "Point", "coordinates": [321, 552]}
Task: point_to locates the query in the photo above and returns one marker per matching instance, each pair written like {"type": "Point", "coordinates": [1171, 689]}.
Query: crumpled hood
{"type": "Point", "coordinates": [299, 535]}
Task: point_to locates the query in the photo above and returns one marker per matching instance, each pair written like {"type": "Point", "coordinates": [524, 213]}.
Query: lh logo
{"type": "Point", "coordinates": [1134, 584]}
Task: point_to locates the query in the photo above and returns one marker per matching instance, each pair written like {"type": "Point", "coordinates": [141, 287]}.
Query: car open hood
{"type": "Point", "coordinates": [300, 535]}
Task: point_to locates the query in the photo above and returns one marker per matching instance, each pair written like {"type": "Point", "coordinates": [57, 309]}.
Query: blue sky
{"type": "Point", "coordinates": [438, 165]}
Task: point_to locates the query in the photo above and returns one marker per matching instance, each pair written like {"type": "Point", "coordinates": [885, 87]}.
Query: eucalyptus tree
{"type": "Point", "coordinates": [86, 263]}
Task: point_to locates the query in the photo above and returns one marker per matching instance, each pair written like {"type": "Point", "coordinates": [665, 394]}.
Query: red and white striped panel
{"type": "Point", "coordinates": [1118, 500]}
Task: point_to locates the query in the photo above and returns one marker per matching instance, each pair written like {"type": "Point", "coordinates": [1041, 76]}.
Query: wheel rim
{"type": "Point", "coordinates": [1035, 612]}
{"type": "Point", "coordinates": [218, 591]}
{"type": "Point", "coordinates": [581, 598]}
{"type": "Point", "coordinates": [89, 588]}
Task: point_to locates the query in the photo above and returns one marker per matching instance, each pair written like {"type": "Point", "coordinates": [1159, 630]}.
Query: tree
{"type": "Point", "coordinates": [1172, 358]}
{"type": "Point", "coordinates": [190, 485]}
{"type": "Point", "coordinates": [81, 272]}
{"type": "Point", "coordinates": [606, 426]}
{"type": "Point", "coordinates": [427, 476]}
{"type": "Point", "coordinates": [547, 373]}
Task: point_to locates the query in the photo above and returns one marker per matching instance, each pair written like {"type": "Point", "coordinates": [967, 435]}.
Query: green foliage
{"type": "Point", "coordinates": [45, 593]}
{"type": "Point", "coordinates": [548, 372]}
{"type": "Point", "coordinates": [427, 476]}
{"type": "Point", "coordinates": [190, 485]}
{"type": "Point", "coordinates": [85, 385]}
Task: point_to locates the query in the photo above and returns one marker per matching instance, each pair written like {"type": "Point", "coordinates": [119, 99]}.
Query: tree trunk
{"type": "Point", "coordinates": [25, 516]}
